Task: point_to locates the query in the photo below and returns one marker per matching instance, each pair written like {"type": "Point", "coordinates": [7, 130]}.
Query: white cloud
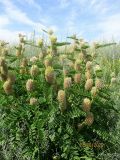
{"type": "Point", "coordinates": [14, 13]}
{"type": "Point", "coordinates": [4, 21]}
{"type": "Point", "coordinates": [110, 26]}
{"type": "Point", "coordinates": [64, 3]}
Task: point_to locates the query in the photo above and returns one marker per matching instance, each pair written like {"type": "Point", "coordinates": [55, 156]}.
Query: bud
{"type": "Point", "coordinates": [77, 78]}
{"type": "Point", "coordinates": [89, 119]}
{"type": "Point", "coordinates": [94, 91]}
{"type": "Point", "coordinates": [88, 74]}
{"type": "Point", "coordinates": [50, 32]}
{"type": "Point", "coordinates": [62, 100]}
{"type": "Point", "coordinates": [33, 59]}
{"type": "Point", "coordinates": [48, 61]}
{"type": "Point", "coordinates": [88, 84]}
{"type": "Point", "coordinates": [24, 62]}
{"type": "Point", "coordinates": [67, 82]}
{"type": "Point", "coordinates": [23, 71]}
{"type": "Point", "coordinates": [86, 105]}
{"type": "Point", "coordinates": [11, 77]}
{"type": "Point", "coordinates": [30, 85]}
{"type": "Point", "coordinates": [33, 101]}
{"type": "Point", "coordinates": [53, 39]}
{"type": "Point", "coordinates": [34, 71]}
{"type": "Point", "coordinates": [98, 83]}
{"type": "Point", "coordinates": [7, 86]}
{"type": "Point", "coordinates": [77, 65]}
{"type": "Point", "coordinates": [88, 65]}
{"type": "Point", "coordinates": [49, 75]}
{"type": "Point", "coordinates": [40, 42]}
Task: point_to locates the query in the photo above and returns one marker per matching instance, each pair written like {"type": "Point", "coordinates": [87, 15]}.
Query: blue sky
{"type": "Point", "coordinates": [91, 19]}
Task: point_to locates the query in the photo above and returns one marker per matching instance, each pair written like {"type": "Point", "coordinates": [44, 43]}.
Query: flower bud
{"type": "Point", "coordinates": [77, 78]}
{"type": "Point", "coordinates": [33, 101]}
{"type": "Point", "coordinates": [88, 74]}
{"type": "Point", "coordinates": [88, 84]}
{"type": "Point", "coordinates": [53, 39]}
{"type": "Point", "coordinates": [50, 31]}
{"type": "Point", "coordinates": [48, 62]}
{"type": "Point", "coordinates": [89, 119]}
{"type": "Point", "coordinates": [77, 65]}
{"type": "Point", "coordinates": [62, 100]}
{"type": "Point", "coordinates": [7, 86]}
{"type": "Point", "coordinates": [33, 59]}
{"type": "Point", "coordinates": [88, 65]}
{"type": "Point", "coordinates": [98, 83]}
{"type": "Point", "coordinates": [67, 82]}
{"type": "Point", "coordinates": [30, 85]}
{"type": "Point", "coordinates": [86, 105]}
{"type": "Point", "coordinates": [49, 75]}
{"type": "Point", "coordinates": [34, 71]}
{"type": "Point", "coordinates": [40, 42]}
{"type": "Point", "coordinates": [24, 62]}
{"type": "Point", "coordinates": [93, 91]}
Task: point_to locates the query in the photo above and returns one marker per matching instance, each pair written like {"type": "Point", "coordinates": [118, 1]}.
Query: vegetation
{"type": "Point", "coordinates": [59, 104]}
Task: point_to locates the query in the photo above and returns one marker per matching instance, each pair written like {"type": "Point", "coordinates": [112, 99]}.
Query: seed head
{"type": "Point", "coordinates": [40, 42]}
{"type": "Point", "coordinates": [33, 101]}
{"type": "Point", "coordinates": [30, 85]}
{"type": "Point", "coordinates": [24, 62]}
{"type": "Point", "coordinates": [77, 78]}
{"type": "Point", "coordinates": [62, 100]}
{"type": "Point", "coordinates": [98, 83]}
{"type": "Point", "coordinates": [88, 84]}
{"type": "Point", "coordinates": [67, 82]}
{"type": "Point", "coordinates": [77, 65]}
{"type": "Point", "coordinates": [33, 59]}
{"type": "Point", "coordinates": [88, 74]}
{"type": "Point", "coordinates": [7, 86]}
{"type": "Point", "coordinates": [53, 39]}
{"type": "Point", "coordinates": [88, 65]}
{"type": "Point", "coordinates": [89, 119]}
{"type": "Point", "coordinates": [94, 91]}
{"type": "Point", "coordinates": [50, 32]}
{"type": "Point", "coordinates": [34, 71]}
{"type": "Point", "coordinates": [49, 75]}
{"type": "Point", "coordinates": [86, 105]}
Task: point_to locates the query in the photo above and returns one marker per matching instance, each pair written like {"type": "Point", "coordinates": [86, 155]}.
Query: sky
{"type": "Point", "coordinates": [90, 19]}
